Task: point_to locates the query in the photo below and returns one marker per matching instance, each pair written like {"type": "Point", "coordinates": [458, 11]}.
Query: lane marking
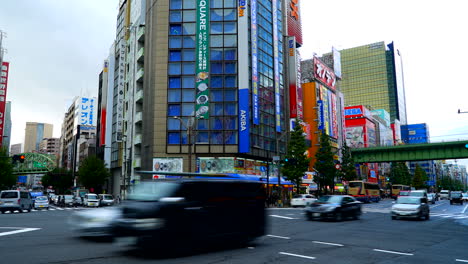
{"type": "Point", "coordinates": [18, 231]}
{"type": "Point", "coordinates": [278, 236]}
{"type": "Point", "coordinates": [284, 217]}
{"type": "Point", "coordinates": [464, 210]}
{"type": "Point", "coordinates": [393, 252]}
{"type": "Point", "coordinates": [296, 255]}
{"type": "Point", "coordinates": [435, 205]}
{"type": "Point", "coordinates": [326, 243]}
{"type": "Point", "coordinates": [461, 260]}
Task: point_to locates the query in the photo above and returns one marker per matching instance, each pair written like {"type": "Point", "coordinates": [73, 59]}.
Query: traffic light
{"type": "Point", "coordinates": [19, 158]}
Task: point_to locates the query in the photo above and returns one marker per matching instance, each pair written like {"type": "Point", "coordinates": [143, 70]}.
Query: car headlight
{"type": "Point", "coordinates": [149, 223]}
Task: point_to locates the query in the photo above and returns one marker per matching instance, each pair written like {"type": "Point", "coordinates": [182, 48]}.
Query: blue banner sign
{"type": "Point", "coordinates": [244, 121]}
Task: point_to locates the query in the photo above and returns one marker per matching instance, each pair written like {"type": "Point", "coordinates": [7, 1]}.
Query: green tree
{"type": "Point", "coordinates": [420, 178]}
{"type": "Point", "coordinates": [93, 172]}
{"type": "Point", "coordinates": [399, 173]}
{"type": "Point", "coordinates": [348, 167]}
{"type": "Point", "coordinates": [325, 165]}
{"type": "Point", "coordinates": [7, 179]}
{"type": "Point", "coordinates": [60, 179]}
{"type": "Point", "coordinates": [296, 162]}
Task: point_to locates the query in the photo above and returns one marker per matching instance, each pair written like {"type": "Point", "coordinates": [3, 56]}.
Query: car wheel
{"type": "Point", "coordinates": [338, 217]}
{"type": "Point", "coordinates": [357, 216]}
{"type": "Point", "coordinates": [394, 217]}
{"type": "Point", "coordinates": [20, 210]}
{"type": "Point", "coordinates": [30, 208]}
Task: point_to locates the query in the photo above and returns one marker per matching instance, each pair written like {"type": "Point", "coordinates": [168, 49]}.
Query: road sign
{"type": "Point", "coordinates": [430, 183]}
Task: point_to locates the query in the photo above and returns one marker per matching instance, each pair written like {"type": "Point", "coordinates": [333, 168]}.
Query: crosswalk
{"type": "Point", "coordinates": [53, 208]}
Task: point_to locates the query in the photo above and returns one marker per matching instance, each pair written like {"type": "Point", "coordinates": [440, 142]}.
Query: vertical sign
{"type": "Point", "coordinates": [274, 3]}
{"type": "Point", "coordinates": [103, 103]}
{"type": "Point", "coordinates": [294, 20]}
{"type": "Point", "coordinates": [202, 105]}
{"type": "Point", "coordinates": [254, 42]}
{"type": "Point", "coordinates": [292, 77]}
{"type": "Point", "coordinates": [120, 91]}
{"type": "Point", "coordinates": [320, 118]}
{"type": "Point", "coordinates": [300, 109]}
{"type": "Point", "coordinates": [244, 123]}
{"type": "Point", "coordinates": [334, 115]}
{"type": "Point", "coordinates": [3, 92]}
{"type": "Point", "coordinates": [87, 112]}
{"type": "Point", "coordinates": [336, 62]}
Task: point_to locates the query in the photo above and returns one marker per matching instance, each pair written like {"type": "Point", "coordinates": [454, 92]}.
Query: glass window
{"type": "Point", "coordinates": [216, 81]}
{"type": "Point", "coordinates": [229, 3]}
{"type": "Point", "coordinates": [217, 123]}
{"type": "Point", "coordinates": [216, 54]}
{"type": "Point", "coordinates": [174, 82]}
{"type": "Point", "coordinates": [175, 29]}
{"type": "Point", "coordinates": [188, 55]}
{"type": "Point", "coordinates": [230, 67]}
{"type": "Point", "coordinates": [189, 4]}
{"type": "Point", "coordinates": [188, 96]}
{"type": "Point", "coordinates": [189, 28]}
{"type": "Point", "coordinates": [175, 16]}
{"type": "Point", "coordinates": [216, 138]}
{"type": "Point", "coordinates": [188, 109]}
{"type": "Point", "coordinates": [216, 4]}
{"type": "Point", "coordinates": [230, 54]}
{"type": "Point", "coordinates": [230, 27]}
{"type": "Point", "coordinates": [216, 15]}
{"type": "Point", "coordinates": [176, 4]}
{"type": "Point", "coordinates": [173, 96]}
{"type": "Point", "coordinates": [216, 95]}
{"type": "Point", "coordinates": [216, 41]}
{"type": "Point", "coordinates": [230, 40]}
{"type": "Point", "coordinates": [189, 42]}
{"type": "Point", "coordinates": [202, 124]}
{"type": "Point", "coordinates": [230, 109]}
{"type": "Point", "coordinates": [230, 14]}
{"type": "Point", "coordinates": [173, 124]}
{"type": "Point", "coordinates": [188, 82]}
{"type": "Point", "coordinates": [217, 109]}
{"type": "Point", "coordinates": [189, 15]}
{"type": "Point", "coordinates": [188, 68]}
{"type": "Point", "coordinates": [216, 68]}
{"type": "Point", "coordinates": [216, 27]}
{"type": "Point", "coordinates": [230, 137]}
{"type": "Point", "coordinates": [173, 110]}
{"type": "Point", "coordinates": [230, 95]}
{"type": "Point", "coordinates": [174, 55]}
{"type": "Point", "coordinates": [175, 42]}
{"type": "Point", "coordinates": [230, 123]}
{"type": "Point", "coordinates": [202, 137]}
{"type": "Point", "coordinates": [230, 81]}
{"type": "Point", "coordinates": [174, 68]}
{"type": "Point", "coordinates": [173, 137]}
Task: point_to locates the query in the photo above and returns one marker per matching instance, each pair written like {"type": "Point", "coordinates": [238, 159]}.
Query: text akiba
{"type": "Point", "coordinates": [243, 120]}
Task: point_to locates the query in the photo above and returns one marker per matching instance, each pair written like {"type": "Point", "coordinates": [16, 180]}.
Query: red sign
{"type": "Point", "coordinates": [3, 92]}
{"type": "Point", "coordinates": [294, 21]}
{"type": "Point", "coordinates": [356, 111]}
{"type": "Point", "coordinates": [324, 74]}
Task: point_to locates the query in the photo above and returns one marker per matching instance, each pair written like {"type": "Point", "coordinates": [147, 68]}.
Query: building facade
{"type": "Point", "coordinates": [16, 149]}
{"type": "Point", "coordinates": [50, 146]}
{"type": "Point", "coordinates": [34, 133]}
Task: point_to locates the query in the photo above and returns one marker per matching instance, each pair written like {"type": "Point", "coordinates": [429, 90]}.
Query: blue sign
{"type": "Point", "coordinates": [430, 183]}
{"type": "Point", "coordinates": [321, 122]}
{"type": "Point", "coordinates": [244, 121]}
{"type": "Point", "coordinates": [254, 52]}
{"type": "Point", "coordinates": [353, 111]}
{"type": "Point", "coordinates": [22, 179]}
{"type": "Point", "coordinates": [263, 168]}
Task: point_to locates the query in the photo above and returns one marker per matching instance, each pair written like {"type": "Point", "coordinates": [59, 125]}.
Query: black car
{"type": "Point", "coordinates": [190, 212]}
{"type": "Point", "coordinates": [456, 197]}
{"type": "Point", "coordinates": [337, 207]}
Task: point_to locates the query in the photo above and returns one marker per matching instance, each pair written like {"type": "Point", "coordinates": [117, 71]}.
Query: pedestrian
{"type": "Point", "coordinates": [118, 199]}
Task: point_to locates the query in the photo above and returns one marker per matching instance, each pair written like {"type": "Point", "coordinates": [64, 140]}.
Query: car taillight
{"type": "Point", "coordinates": [19, 201]}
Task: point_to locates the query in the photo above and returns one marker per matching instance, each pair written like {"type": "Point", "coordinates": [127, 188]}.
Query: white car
{"type": "Point", "coordinates": [302, 200]}
{"type": "Point", "coordinates": [91, 200]}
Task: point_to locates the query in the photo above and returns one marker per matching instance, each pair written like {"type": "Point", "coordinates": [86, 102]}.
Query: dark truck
{"type": "Point", "coordinates": [456, 197]}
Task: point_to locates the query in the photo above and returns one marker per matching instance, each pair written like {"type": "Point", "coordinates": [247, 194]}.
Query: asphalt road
{"type": "Point", "coordinates": [45, 237]}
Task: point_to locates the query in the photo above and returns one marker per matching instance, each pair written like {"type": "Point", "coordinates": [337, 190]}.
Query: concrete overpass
{"type": "Point", "coordinates": [412, 152]}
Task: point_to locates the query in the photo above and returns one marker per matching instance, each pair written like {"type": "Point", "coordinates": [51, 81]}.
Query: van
{"type": "Point", "coordinates": [187, 212]}
{"type": "Point", "coordinates": [91, 199]}
{"type": "Point", "coordinates": [444, 194]}
{"type": "Point", "coordinates": [13, 200]}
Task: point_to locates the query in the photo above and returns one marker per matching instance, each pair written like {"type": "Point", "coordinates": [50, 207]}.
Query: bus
{"type": "Point", "coordinates": [396, 188]}
{"type": "Point", "coordinates": [364, 191]}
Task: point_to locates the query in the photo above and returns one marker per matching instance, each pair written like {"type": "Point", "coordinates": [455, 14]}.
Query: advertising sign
{"type": "Point", "coordinates": [242, 9]}
{"type": "Point", "coordinates": [321, 121]}
{"type": "Point", "coordinates": [383, 114]}
{"type": "Point", "coordinates": [167, 165]}
{"type": "Point", "coordinates": [294, 20]}
{"type": "Point", "coordinates": [336, 62]}
{"type": "Point", "coordinates": [276, 65]}
{"type": "Point", "coordinates": [254, 43]}
{"type": "Point", "coordinates": [120, 92]}
{"type": "Point", "coordinates": [324, 74]}
{"type": "Point", "coordinates": [202, 105]}
{"type": "Point", "coordinates": [87, 109]}
{"type": "Point", "coordinates": [216, 165]}
{"type": "Point", "coordinates": [334, 116]}
{"type": "Point", "coordinates": [3, 93]}
{"type": "Point", "coordinates": [292, 77]}
{"type": "Point", "coordinates": [244, 121]}
{"type": "Point", "coordinates": [357, 111]}
{"type": "Point", "coordinates": [103, 104]}
{"type": "Point", "coordinates": [243, 47]}
{"type": "Point", "coordinates": [326, 108]}
{"type": "Point", "coordinates": [355, 137]}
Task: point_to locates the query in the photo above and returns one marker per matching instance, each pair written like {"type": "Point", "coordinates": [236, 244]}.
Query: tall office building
{"type": "Point", "coordinates": [34, 133]}
{"type": "Point", "coordinates": [15, 149]}
{"type": "Point", "coordinates": [372, 75]}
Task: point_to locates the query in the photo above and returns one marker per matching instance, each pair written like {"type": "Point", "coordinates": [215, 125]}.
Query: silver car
{"type": "Point", "coordinates": [41, 203]}
{"type": "Point", "coordinates": [94, 223]}
{"type": "Point", "coordinates": [106, 200]}
{"type": "Point", "coordinates": [410, 207]}
{"type": "Point", "coordinates": [13, 200]}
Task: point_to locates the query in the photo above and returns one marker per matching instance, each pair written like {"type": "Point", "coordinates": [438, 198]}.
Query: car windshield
{"type": "Point", "coordinates": [92, 196]}
{"type": "Point", "coordinates": [153, 191]}
{"type": "Point", "coordinates": [409, 200]}
{"type": "Point", "coordinates": [456, 195]}
{"type": "Point", "coordinates": [404, 193]}
{"type": "Point", "coordinates": [68, 197]}
{"type": "Point", "coordinates": [297, 196]}
{"type": "Point", "coordinates": [108, 197]}
{"type": "Point", "coordinates": [329, 199]}
{"type": "Point", "coordinates": [465, 195]}
{"type": "Point", "coordinates": [416, 193]}
{"type": "Point", "coordinates": [9, 195]}
{"type": "Point", "coordinates": [41, 198]}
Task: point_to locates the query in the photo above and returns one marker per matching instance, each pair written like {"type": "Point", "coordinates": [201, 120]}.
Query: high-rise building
{"type": "Point", "coordinates": [372, 75]}
{"type": "Point", "coordinates": [50, 146]}
{"type": "Point", "coordinates": [15, 149]}
{"type": "Point", "coordinates": [34, 133]}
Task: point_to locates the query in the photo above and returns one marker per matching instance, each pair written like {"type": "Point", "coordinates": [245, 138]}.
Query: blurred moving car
{"type": "Point", "coordinates": [42, 202]}
{"type": "Point", "coordinates": [431, 198]}
{"type": "Point", "coordinates": [465, 196]}
{"type": "Point", "coordinates": [337, 207]}
{"type": "Point", "coordinates": [67, 201]}
{"type": "Point", "coordinates": [404, 193]}
{"type": "Point", "coordinates": [456, 197]}
{"type": "Point", "coordinates": [106, 200]}
{"type": "Point", "coordinates": [192, 212]}
{"type": "Point", "coordinates": [418, 193]}
{"type": "Point", "coordinates": [55, 200]}
{"type": "Point", "coordinates": [77, 201]}
{"type": "Point", "coordinates": [12, 200]}
{"type": "Point", "coordinates": [94, 223]}
{"type": "Point", "coordinates": [410, 207]}
{"type": "Point", "coordinates": [302, 200]}
{"type": "Point", "coordinates": [444, 194]}
{"type": "Point", "coordinates": [91, 200]}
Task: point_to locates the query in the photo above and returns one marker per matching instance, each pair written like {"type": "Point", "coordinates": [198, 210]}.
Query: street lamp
{"type": "Point", "coordinates": [189, 126]}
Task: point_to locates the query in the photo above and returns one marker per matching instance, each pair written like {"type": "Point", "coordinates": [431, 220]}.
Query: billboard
{"type": "Point", "coordinates": [294, 20]}
{"type": "Point", "coordinates": [120, 92]}
{"type": "Point", "coordinates": [355, 136]}
{"type": "Point", "coordinates": [294, 76]}
{"type": "Point", "coordinates": [3, 93]}
{"type": "Point", "coordinates": [357, 111]}
{"type": "Point", "coordinates": [202, 106]}
{"type": "Point", "coordinates": [254, 51]}
{"type": "Point", "coordinates": [276, 69]}
{"type": "Point", "coordinates": [336, 62]}
{"type": "Point", "coordinates": [383, 114]}
{"type": "Point", "coordinates": [244, 121]}
{"type": "Point", "coordinates": [334, 115]}
{"type": "Point", "coordinates": [167, 165]}
{"type": "Point", "coordinates": [326, 109]}
{"type": "Point", "coordinates": [324, 74]}
{"type": "Point", "coordinates": [216, 165]}
{"type": "Point", "coordinates": [87, 111]}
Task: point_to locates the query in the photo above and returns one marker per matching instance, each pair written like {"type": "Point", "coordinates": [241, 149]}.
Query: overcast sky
{"type": "Point", "coordinates": [56, 49]}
